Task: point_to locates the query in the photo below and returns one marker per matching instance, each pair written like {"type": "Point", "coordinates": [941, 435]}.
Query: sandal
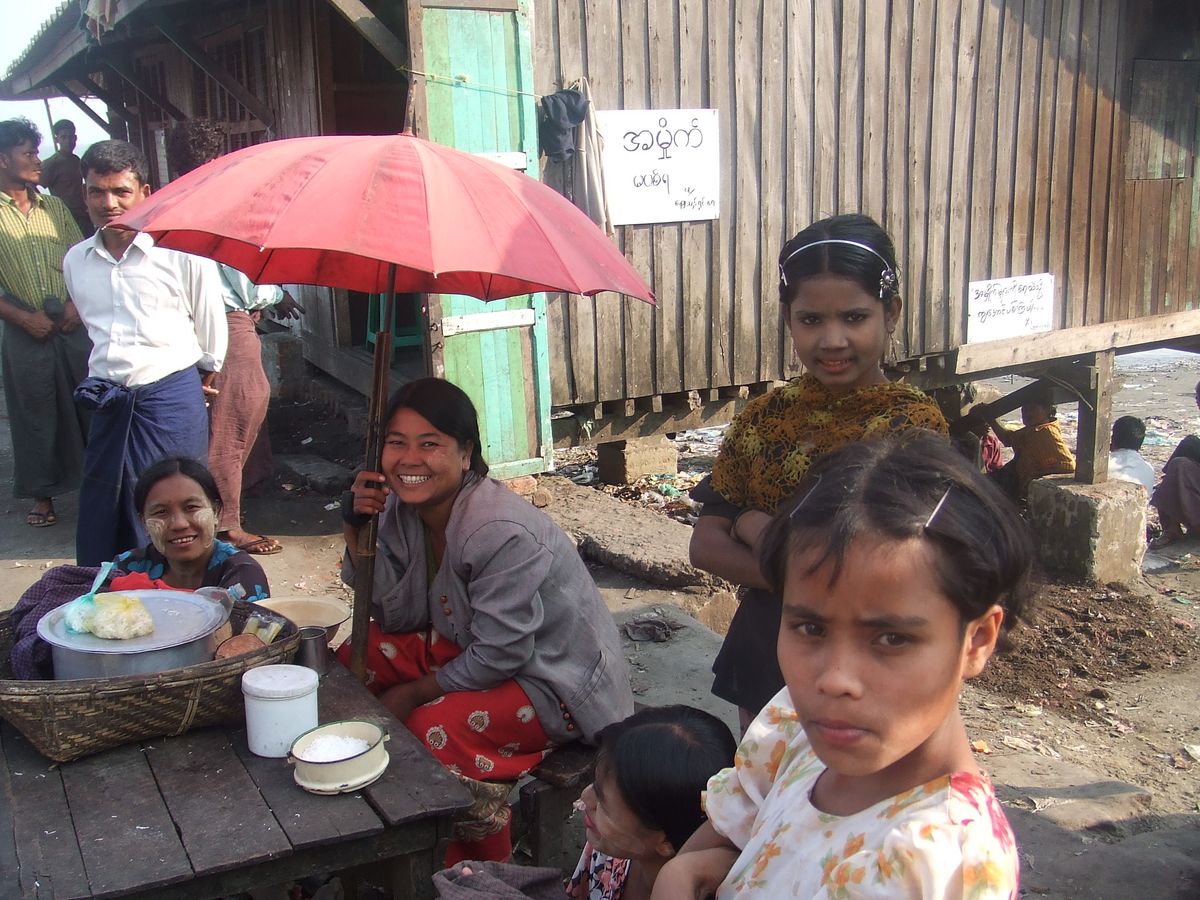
{"type": "Point", "coordinates": [261, 546]}
{"type": "Point", "coordinates": [36, 519]}
{"type": "Point", "coordinates": [1166, 539]}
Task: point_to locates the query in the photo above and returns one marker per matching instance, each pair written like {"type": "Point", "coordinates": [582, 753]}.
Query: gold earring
{"type": "Point", "coordinates": [893, 351]}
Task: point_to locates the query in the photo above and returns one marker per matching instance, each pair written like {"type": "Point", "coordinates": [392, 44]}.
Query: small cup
{"type": "Point", "coordinates": [313, 652]}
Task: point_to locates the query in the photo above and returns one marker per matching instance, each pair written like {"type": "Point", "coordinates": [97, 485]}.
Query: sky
{"type": "Point", "coordinates": [22, 19]}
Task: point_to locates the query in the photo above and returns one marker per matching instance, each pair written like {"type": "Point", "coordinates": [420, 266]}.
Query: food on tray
{"type": "Point", "coordinates": [110, 616]}
{"type": "Point", "coordinates": [238, 645]}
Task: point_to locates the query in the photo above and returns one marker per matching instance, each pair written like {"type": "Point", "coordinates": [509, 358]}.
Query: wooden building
{"type": "Point", "coordinates": [993, 138]}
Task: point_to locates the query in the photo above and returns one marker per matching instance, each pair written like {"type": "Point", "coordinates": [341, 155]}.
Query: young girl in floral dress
{"type": "Point", "coordinates": [900, 569]}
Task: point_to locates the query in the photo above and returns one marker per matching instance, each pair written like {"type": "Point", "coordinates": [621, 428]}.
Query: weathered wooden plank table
{"type": "Point", "coordinates": [199, 816]}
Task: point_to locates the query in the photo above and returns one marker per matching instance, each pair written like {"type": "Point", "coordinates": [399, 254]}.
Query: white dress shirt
{"type": "Point", "coordinates": [1128, 465]}
{"type": "Point", "coordinates": [150, 314]}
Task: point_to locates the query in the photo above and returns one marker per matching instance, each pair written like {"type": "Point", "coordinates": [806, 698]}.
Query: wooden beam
{"type": "Point", "coordinates": [1095, 424]}
{"type": "Point", "coordinates": [116, 105]}
{"type": "Point", "coordinates": [217, 73]}
{"type": "Point", "coordinates": [374, 31]}
{"type": "Point", "coordinates": [971, 359]}
{"type": "Point", "coordinates": [62, 88]}
{"type": "Point", "coordinates": [121, 70]}
{"type": "Point", "coordinates": [570, 431]}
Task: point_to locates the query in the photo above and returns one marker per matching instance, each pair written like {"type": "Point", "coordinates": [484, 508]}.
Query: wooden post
{"type": "Point", "coordinates": [1095, 424]}
{"type": "Point", "coordinates": [364, 564]}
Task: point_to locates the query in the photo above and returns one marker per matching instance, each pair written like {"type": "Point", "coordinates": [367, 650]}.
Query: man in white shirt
{"type": "Point", "coordinates": [157, 323]}
{"type": "Point", "coordinates": [1125, 463]}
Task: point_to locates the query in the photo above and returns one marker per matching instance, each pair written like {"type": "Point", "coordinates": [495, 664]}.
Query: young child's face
{"type": "Point", "coordinates": [614, 828]}
{"type": "Point", "coordinates": [874, 662]}
{"type": "Point", "coordinates": [1035, 414]}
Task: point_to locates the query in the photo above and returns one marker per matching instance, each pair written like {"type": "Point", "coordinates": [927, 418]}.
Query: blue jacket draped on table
{"type": "Point", "coordinates": [514, 594]}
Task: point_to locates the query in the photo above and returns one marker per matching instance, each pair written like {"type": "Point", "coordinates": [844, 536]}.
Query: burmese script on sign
{"type": "Point", "coordinates": [1003, 308]}
{"type": "Point", "coordinates": [661, 165]}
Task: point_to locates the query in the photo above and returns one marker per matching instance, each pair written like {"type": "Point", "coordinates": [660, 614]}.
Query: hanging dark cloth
{"type": "Point", "coordinates": [557, 118]}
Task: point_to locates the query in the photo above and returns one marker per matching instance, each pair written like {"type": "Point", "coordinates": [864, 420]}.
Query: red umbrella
{"type": "Point", "coordinates": [375, 214]}
{"type": "Point", "coordinates": [336, 211]}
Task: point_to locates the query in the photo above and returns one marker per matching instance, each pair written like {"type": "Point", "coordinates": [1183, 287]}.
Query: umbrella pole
{"type": "Point", "coordinates": [364, 570]}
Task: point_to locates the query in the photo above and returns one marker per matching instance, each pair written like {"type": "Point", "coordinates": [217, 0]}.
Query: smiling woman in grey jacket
{"type": "Point", "coordinates": [489, 639]}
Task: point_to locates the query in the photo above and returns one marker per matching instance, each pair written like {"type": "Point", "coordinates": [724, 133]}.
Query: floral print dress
{"type": "Point", "coordinates": [945, 839]}
{"type": "Point", "coordinates": [598, 876]}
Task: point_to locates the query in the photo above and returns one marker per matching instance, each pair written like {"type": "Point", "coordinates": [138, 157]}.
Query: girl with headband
{"type": "Point", "coordinates": [839, 295]}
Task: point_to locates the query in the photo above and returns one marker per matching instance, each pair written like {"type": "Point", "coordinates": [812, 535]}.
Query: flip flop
{"type": "Point", "coordinates": [35, 519]}
{"type": "Point", "coordinates": [261, 546]}
{"type": "Point", "coordinates": [1165, 540]}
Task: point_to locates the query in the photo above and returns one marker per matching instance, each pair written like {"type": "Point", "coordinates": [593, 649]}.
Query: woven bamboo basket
{"type": "Point", "coordinates": [65, 720]}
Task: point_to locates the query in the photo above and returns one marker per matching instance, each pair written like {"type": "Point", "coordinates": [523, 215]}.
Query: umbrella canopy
{"type": "Point", "coordinates": [340, 211]}
{"type": "Point", "coordinates": [383, 214]}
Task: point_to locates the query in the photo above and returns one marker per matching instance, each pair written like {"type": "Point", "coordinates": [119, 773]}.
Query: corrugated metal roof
{"type": "Point", "coordinates": [65, 8]}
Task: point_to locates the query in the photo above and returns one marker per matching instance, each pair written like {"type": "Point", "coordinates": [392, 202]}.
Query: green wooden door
{"type": "Point", "coordinates": [478, 97]}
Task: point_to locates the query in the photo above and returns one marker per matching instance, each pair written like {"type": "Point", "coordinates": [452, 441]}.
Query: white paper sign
{"type": "Point", "coordinates": [661, 165]}
{"type": "Point", "coordinates": [1009, 307]}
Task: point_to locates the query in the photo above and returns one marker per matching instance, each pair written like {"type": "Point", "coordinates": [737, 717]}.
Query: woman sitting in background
{"type": "Point", "coordinates": [178, 503]}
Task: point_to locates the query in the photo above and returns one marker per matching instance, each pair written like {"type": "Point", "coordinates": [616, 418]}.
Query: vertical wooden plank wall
{"type": "Point", "coordinates": [987, 135]}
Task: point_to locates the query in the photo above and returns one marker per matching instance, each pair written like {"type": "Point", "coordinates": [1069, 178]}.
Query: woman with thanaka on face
{"type": "Point", "coordinates": [489, 639]}
{"type": "Point", "coordinates": [901, 568]}
{"type": "Point", "coordinates": [651, 770]}
{"type": "Point", "coordinates": [839, 294]}
{"type": "Point", "coordinates": [178, 503]}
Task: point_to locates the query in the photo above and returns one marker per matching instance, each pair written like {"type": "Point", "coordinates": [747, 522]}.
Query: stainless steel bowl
{"type": "Point", "coordinates": [185, 626]}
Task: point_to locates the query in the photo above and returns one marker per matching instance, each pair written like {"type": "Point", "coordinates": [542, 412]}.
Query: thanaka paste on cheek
{"type": "Point", "coordinates": [206, 519]}
{"type": "Point", "coordinates": [157, 531]}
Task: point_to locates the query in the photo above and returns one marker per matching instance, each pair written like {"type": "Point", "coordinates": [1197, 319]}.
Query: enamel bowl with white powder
{"type": "Point", "coordinates": [339, 757]}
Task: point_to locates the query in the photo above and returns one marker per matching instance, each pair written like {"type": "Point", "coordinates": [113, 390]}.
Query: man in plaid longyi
{"type": "Point", "coordinates": [44, 347]}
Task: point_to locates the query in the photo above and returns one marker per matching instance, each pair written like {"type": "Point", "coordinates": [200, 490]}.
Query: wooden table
{"type": "Point", "coordinates": [199, 816]}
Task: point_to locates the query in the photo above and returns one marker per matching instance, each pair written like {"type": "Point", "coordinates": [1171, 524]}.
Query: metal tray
{"type": "Point", "coordinates": [179, 617]}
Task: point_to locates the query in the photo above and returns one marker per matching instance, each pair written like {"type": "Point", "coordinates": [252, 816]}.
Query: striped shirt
{"type": "Point", "coordinates": [32, 249]}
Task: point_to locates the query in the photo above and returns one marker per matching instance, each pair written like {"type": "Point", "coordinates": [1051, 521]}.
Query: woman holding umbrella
{"type": "Point", "coordinates": [489, 639]}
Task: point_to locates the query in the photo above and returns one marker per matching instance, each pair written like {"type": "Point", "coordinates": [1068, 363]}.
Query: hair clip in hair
{"type": "Point", "coordinates": [816, 481]}
{"type": "Point", "coordinates": [937, 509]}
{"type": "Point", "coordinates": [889, 283]}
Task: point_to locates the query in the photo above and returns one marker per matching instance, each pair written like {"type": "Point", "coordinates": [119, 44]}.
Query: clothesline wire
{"type": "Point", "coordinates": [463, 81]}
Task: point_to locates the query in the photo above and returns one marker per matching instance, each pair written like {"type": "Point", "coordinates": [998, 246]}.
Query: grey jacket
{"type": "Point", "coordinates": [514, 594]}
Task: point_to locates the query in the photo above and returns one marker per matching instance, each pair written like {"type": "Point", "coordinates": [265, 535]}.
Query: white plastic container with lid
{"type": "Point", "coordinates": [281, 704]}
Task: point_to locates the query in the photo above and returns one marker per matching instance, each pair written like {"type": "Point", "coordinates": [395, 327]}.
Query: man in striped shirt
{"type": "Point", "coordinates": [45, 348]}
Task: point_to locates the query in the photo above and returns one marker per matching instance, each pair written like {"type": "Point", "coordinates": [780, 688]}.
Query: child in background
{"type": "Point", "coordinates": [1039, 448]}
{"type": "Point", "coordinates": [645, 802]}
{"type": "Point", "coordinates": [900, 568]}
{"type": "Point", "coordinates": [651, 771]}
